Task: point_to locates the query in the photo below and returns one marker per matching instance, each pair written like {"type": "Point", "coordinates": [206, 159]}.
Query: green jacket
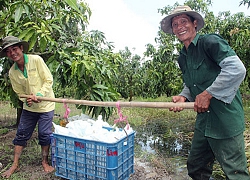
{"type": "Point", "coordinates": [200, 67]}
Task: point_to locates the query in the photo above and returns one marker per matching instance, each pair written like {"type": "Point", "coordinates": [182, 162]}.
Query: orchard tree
{"type": "Point", "coordinates": [81, 62]}
{"type": "Point", "coordinates": [127, 80]}
{"type": "Point", "coordinates": [161, 75]}
{"type": "Point", "coordinates": [235, 29]}
{"type": "Point", "coordinates": [92, 69]}
{"type": "Point", "coordinates": [244, 2]}
{"type": "Point", "coordinates": [163, 65]}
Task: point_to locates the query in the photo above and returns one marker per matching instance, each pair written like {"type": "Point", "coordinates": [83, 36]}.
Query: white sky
{"type": "Point", "coordinates": [134, 23]}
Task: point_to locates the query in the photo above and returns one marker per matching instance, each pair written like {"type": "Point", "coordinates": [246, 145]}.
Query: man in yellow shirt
{"type": "Point", "coordinates": [30, 75]}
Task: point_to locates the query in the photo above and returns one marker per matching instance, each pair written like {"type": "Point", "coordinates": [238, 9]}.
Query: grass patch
{"type": "Point", "coordinates": [3, 131]}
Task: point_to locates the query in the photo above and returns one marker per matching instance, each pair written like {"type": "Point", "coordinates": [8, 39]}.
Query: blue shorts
{"type": "Point", "coordinates": [28, 123]}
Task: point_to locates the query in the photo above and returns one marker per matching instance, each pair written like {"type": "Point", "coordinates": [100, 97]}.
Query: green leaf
{"type": "Point", "coordinates": [68, 62]}
{"type": "Point", "coordinates": [26, 9]}
{"type": "Point", "coordinates": [43, 44]}
{"type": "Point", "coordinates": [86, 64]}
{"type": "Point", "coordinates": [32, 41]}
{"type": "Point", "coordinates": [29, 23]}
{"type": "Point", "coordinates": [24, 33]}
{"type": "Point", "coordinates": [99, 86]}
{"type": "Point", "coordinates": [100, 93]}
{"type": "Point", "coordinates": [58, 28]}
{"type": "Point", "coordinates": [77, 53]}
{"type": "Point", "coordinates": [18, 13]}
{"type": "Point", "coordinates": [29, 34]}
{"type": "Point", "coordinates": [73, 5]}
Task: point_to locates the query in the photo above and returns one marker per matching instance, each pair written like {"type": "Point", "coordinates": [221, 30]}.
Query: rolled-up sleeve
{"type": "Point", "coordinates": [228, 81]}
{"type": "Point", "coordinates": [186, 93]}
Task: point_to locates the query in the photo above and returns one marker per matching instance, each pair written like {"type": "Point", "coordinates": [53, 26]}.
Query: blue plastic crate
{"type": "Point", "coordinates": [75, 158]}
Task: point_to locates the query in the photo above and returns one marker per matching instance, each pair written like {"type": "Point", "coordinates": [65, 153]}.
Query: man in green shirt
{"type": "Point", "coordinates": [30, 75]}
{"type": "Point", "coordinates": [212, 74]}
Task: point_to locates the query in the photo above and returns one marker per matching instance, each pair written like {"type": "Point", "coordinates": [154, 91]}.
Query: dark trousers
{"type": "Point", "coordinates": [27, 124]}
{"type": "Point", "coordinates": [230, 153]}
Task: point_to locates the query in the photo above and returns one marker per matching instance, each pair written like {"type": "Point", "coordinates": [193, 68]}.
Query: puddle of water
{"type": "Point", "coordinates": [168, 139]}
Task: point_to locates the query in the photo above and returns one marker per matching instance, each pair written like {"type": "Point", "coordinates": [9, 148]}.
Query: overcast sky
{"type": "Point", "coordinates": [134, 23]}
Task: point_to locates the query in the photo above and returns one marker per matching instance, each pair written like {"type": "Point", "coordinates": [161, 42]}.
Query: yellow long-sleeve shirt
{"type": "Point", "coordinates": [37, 79]}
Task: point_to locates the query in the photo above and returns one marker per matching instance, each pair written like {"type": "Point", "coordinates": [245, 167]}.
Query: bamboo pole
{"type": "Point", "coordinates": [186, 105]}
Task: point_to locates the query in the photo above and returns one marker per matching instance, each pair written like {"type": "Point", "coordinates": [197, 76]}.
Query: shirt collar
{"type": "Point", "coordinates": [195, 41]}
{"type": "Point", "coordinates": [25, 61]}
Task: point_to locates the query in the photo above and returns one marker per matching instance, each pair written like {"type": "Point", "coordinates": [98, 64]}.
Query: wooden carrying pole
{"type": "Point", "coordinates": [185, 105]}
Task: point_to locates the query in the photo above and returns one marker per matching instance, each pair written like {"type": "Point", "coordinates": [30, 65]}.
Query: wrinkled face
{"type": "Point", "coordinates": [184, 28]}
{"type": "Point", "coordinates": [14, 52]}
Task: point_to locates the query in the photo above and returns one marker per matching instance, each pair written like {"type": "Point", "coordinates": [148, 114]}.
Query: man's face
{"type": "Point", "coordinates": [14, 52]}
{"type": "Point", "coordinates": [184, 28]}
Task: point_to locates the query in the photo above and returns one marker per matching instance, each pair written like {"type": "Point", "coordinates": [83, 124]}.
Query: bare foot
{"type": "Point", "coordinates": [47, 168]}
{"type": "Point", "coordinates": [10, 171]}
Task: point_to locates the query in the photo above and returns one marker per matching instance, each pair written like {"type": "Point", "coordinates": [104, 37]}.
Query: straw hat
{"type": "Point", "coordinates": [10, 41]}
{"type": "Point", "coordinates": [166, 23]}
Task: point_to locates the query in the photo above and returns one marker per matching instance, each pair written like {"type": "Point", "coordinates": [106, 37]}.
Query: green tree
{"type": "Point", "coordinates": [244, 2]}
{"type": "Point", "coordinates": [81, 62]}
{"type": "Point", "coordinates": [234, 28]}
{"type": "Point", "coordinates": [127, 80]}
{"type": "Point", "coordinates": [161, 75]}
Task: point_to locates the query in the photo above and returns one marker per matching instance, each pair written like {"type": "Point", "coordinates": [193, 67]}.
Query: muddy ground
{"type": "Point", "coordinates": [30, 167]}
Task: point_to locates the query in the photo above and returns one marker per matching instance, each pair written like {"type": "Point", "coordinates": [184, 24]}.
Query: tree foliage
{"type": "Point", "coordinates": [244, 2]}
{"type": "Point", "coordinates": [83, 63]}
{"type": "Point", "coordinates": [80, 61]}
{"type": "Point", "coordinates": [234, 28]}
{"type": "Point", "coordinates": [159, 74]}
{"type": "Point", "coordinates": [128, 79]}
